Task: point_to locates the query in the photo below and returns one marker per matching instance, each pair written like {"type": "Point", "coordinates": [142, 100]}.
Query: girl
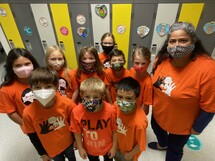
{"type": "Point", "coordinates": [116, 72]}
{"type": "Point", "coordinates": [141, 60]}
{"type": "Point", "coordinates": [15, 92]}
{"type": "Point", "coordinates": [89, 65]}
{"type": "Point", "coordinates": [56, 60]}
{"type": "Point", "coordinates": [107, 43]}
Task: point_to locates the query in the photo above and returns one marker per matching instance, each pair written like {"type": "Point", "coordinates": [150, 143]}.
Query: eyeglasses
{"type": "Point", "coordinates": [107, 43]}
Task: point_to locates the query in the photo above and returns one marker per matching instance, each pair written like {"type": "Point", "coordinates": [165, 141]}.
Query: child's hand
{"type": "Point", "coordinates": [82, 153]}
{"type": "Point", "coordinates": [112, 152]}
{"type": "Point", "coordinates": [46, 158]}
{"type": "Point", "coordinates": [128, 156]}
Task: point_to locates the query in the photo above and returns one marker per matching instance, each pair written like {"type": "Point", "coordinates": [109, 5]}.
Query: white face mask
{"type": "Point", "coordinates": [24, 71]}
{"type": "Point", "coordinates": [44, 96]}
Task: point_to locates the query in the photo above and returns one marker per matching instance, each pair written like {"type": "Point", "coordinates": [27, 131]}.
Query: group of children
{"type": "Point", "coordinates": [98, 107]}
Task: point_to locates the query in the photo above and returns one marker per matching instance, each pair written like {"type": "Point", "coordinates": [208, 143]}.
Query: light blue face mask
{"type": "Point", "coordinates": [125, 106]}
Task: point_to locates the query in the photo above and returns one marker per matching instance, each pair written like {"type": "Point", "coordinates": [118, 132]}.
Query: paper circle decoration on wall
{"type": "Point", "coordinates": [64, 30]}
{"type": "Point", "coordinates": [43, 22]}
{"type": "Point", "coordinates": [162, 29]}
{"type": "Point", "coordinates": [3, 13]}
{"type": "Point", "coordinates": [80, 19]}
{"type": "Point", "coordinates": [120, 29]}
{"type": "Point", "coordinates": [209, 27]}
{"type": "Point", "coordinates": [83, 32]}
{"type": "Point", "coordinates": [28, 30]}
{"type": "Point", "coordinates": [101, 10]}
{"type": "Point", "coordinates": [142, 31]}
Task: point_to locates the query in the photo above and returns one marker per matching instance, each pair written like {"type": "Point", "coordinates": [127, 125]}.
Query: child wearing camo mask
{"type": "Point", "coordinates": [117, 71]}
{"type": "Point", "coordinates": [131, 121]}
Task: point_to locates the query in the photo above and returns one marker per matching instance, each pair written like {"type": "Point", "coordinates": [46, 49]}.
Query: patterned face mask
{"type": "Point", "coordinates": [125, 106]}
{"type": "Point", "coordinates": [91, 105]}
{"type": "Point", "coordinates": [117, 66]}
{"type": "Point", "coordinates": [85, 66]}
{"type": "Point", "coordinates": [179, 52]}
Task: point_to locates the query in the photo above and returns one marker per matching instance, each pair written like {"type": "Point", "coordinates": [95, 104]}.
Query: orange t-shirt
{"type": "Point", "coordinates": [15, 97]}
{"type": "Point", "coordinates": [113, 80]}
{"type": "Point", "coordinates": [146, 88]}
{"type": "Point", "coordinates": [105, 60]}
{"type": "Point", "coordinates": [97, 128]}
{"type": "Point", "coordinates": [131, 130]}
{"type": "Point", "coordinates": [63, 87]}
{"type": "Point", "coordinates": [180, 93]}
{"type": "Point", "coordinates": [51, 125]}
{"type": "Point", "coordinates": [84, 76]}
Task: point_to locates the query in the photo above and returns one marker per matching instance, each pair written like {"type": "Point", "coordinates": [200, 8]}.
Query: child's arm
{"type": "Point", "coordinates": [75, 95]}
{"type": "Point", "coordinates": [81, 150]}
{"type": "Point", "coordinates": [15, 117]}
{"type": "Point", "coordinates": [108, 95]}
{"type": "Point", "coordinates": [130, 155]}
{"type": "Point", "coordinates": [113, 149]}
{"type": "Point", "coordinates": [38, 146]}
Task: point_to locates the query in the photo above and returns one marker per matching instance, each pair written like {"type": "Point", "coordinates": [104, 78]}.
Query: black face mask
{"type": "Point", "coordinates": [107, 49]}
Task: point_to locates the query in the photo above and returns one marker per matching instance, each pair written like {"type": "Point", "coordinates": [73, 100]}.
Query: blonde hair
{"type": "Point", "coordinates": [92, 84]}
{"type": "Point", "coordinates": [65, 67]}
{"type": "Point", "coordinates": [141, 50]}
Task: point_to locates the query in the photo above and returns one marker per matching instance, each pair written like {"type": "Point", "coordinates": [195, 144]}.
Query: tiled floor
{"type": "Point", "coordinates": [15, 146]}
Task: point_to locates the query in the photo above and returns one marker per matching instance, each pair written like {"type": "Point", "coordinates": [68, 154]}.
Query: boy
{"type": "Point", "coordinates": [116, 72]}
{"type": "Point", "coordinates": [131, 121]}
{"type": "Point", "coordinates": [94, 120]}
{"type": "Point", "coordinates": [46, 120]}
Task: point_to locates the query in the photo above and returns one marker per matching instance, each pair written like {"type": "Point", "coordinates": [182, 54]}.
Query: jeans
{"type": "Point", "coordinates": [175, 143]}
{"type": "Point", "coordinates": [68, 153]}
{"type": "Point", "coordinates": [96, 158]}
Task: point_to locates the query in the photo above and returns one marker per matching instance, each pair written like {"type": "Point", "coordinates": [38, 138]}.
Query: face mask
{"type": "Point", "coordinates": [107, 49]}
{"type": "Point", "coordinates": [91, 105]}
{"type": "Point", "coordinates": [56, 64]}
{"type": "Point", "coordinates": [44, 96]}
{"type": "Point", "coordinates": [179, 52]}
{"type": "Point", "coordinates": [24, 71]}
{"type": "Point", "coordinates": [140, 69]}
{"type": "Point", "coordinates": [117, 66]}
{"type": "Point", "coordinates": [85, 68]}
{"type": "Point", "coordinates": [125, 106]}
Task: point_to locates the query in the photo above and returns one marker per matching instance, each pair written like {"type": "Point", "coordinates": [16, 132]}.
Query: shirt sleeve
{"type": "Point", "coordinates": [6, 103]}
{"type": "Point", "coordinates": [27, 126]}
{"type": "Point", "coordinates": [75, 122]}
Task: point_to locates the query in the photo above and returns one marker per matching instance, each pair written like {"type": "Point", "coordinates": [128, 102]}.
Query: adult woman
{"type": "Point", "coordinates": [15, 92]}
{"type": "Point", "coordinates": [184, 90]}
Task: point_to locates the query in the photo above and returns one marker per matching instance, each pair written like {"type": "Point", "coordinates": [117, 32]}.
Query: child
{"type": "Point", "coordinates": [46, 120]}
{"type": "Point", "coordinates": [131, 121]}
{"type": "Point", "coordinates": [94, 120]}
{"type": "Point", "coordinates": [107, 43]}
{"type": "Point", "coordinates": [89, 65]}
{"type": "Point", "coordinates": [141, 60]}
{"type": "Point", "coordinates": [55, 59]}
{"type": "Point", "coordinates": [116, 72]}
{"type": "Point", "coordinates": [15, 92]}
